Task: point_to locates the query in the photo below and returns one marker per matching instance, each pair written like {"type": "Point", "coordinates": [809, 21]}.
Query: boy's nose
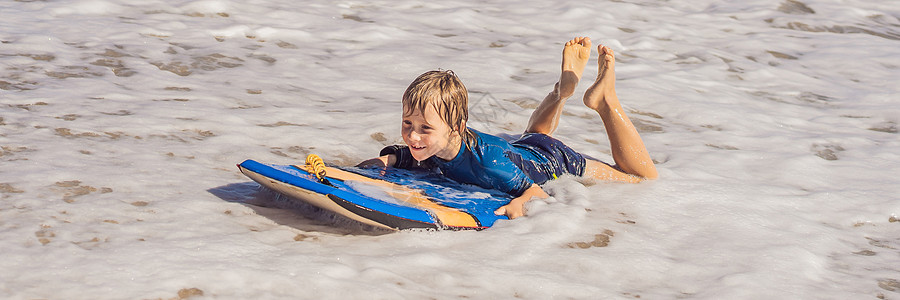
{"type": "Point", "coordinates": [413, 136]}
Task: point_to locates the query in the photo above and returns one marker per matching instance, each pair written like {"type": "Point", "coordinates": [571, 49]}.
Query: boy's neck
{"type": "Point", "coordinates": [452, 149]}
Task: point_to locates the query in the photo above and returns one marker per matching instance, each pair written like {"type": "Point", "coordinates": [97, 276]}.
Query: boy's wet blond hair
{"type": "Point", "coordinates": [443, 90]}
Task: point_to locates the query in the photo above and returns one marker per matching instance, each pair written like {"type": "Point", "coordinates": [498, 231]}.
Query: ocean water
{"type": "Point", "coordinates": [773, 125]}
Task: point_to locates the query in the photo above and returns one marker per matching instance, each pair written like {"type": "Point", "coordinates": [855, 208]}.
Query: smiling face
{"type": "Point", "coordinates": [428, 135]}
{"type": "Point", "coordinates": [434, 113]}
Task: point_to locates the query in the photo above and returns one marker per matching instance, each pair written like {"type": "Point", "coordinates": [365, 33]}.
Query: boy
{"type": "Point", "coordinates": [435, 110]}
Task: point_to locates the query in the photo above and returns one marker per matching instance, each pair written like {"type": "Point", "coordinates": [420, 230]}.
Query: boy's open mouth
{"type": "Point", "coordinates": [417, 147]}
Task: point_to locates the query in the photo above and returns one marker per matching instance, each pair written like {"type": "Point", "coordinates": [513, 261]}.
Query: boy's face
{"type": "Point", "coordinates": [428, 135]}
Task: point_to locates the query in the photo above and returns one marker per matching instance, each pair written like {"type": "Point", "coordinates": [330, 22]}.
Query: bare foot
{"type": "Point", "coordinates": [603, 91]}
{"type": "Point", "coordinates": [575, 56]}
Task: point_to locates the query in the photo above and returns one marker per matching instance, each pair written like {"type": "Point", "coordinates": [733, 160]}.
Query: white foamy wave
{"type": "Point", "coordinates": [773, 124]}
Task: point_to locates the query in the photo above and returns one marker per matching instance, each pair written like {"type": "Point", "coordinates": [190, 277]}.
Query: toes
{"type": "Point", "coordinates": [581, 40]}
{"type": "Point", "coordinates": [604, 50]}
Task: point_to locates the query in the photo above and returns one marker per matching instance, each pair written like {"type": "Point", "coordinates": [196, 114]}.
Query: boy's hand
{"type": "Point", "coordinates": [512, 210]}
{"type": "Point", "coordinates": [378, 162]}
{"type": "Point", "coordinates": [516, 207]}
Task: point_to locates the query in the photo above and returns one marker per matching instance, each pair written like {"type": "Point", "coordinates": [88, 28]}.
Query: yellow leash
{"type": "Point", "coordinates": [316, 166]}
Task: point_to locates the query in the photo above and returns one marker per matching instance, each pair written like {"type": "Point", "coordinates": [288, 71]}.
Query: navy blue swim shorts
{"type": "Point", "coordinates": [553, 158]}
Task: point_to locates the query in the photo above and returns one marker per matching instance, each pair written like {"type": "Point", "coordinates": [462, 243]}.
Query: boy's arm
{"type": "Point", "coordinates": [516, 207]}
{"type": "Point", "coordinates": [396, 156]}
{"type": "Point", "coordinates": [379, 162]}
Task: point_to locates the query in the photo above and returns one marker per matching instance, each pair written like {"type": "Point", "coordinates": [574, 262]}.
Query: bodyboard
{"type": "Point", "coordinates": [387, 198]}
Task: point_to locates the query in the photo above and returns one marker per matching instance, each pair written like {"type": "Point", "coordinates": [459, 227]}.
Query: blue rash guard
{"type": "Point", "coordinates": [494, 163]}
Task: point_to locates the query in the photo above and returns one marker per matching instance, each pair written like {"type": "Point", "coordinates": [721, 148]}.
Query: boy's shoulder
{"type": "Point", "coordinates": [488, 138]}
{"type": "Point", "coordinates": [486, 143]}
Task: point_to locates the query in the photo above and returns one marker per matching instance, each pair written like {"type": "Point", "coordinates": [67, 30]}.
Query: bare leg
{"type": "Point", "coordinates": [545, 117]}
{"type": "Point", "coordinates": [627, 147]}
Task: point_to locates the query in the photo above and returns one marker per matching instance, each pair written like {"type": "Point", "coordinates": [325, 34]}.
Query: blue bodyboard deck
{"type": "Point", "coordinates": [388, 198]}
